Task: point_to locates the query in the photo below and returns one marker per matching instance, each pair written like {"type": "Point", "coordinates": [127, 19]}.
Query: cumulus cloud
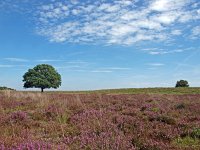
{"type": "Point", "coordinates": [167, 5]}
{"type": "Point", "coordinates": [123, 22]}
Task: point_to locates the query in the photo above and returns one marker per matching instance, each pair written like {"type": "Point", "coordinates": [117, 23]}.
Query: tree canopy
{"type": "Point", "coordinates": [42, 76]}
{"type": "Point", "coordinates": [182, 83]}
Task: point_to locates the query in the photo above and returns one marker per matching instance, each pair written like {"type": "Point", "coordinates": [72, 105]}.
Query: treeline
{"type": "Point", "coordinates": [5, 88]}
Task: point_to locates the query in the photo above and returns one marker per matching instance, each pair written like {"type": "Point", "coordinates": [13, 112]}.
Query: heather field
{"type": "Point", "coordinates": [128, 119]}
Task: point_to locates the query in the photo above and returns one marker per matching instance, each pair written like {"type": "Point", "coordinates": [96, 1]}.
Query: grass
{"type": "Point", "coordinates": [188, 90]}
{"type": "Point", "coordinates": [187, 142]}
{"type": "Point", "coordinates": [170, 91]}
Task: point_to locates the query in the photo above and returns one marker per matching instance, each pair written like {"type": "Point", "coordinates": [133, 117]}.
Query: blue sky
{"type": "Point", "coordinates": [101, 44]}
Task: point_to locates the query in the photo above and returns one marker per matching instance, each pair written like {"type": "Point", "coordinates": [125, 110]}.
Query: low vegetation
{"type": "Point", "coordinates": [180, 91]}
{"type": "Point", "coordinates": [5, 88]}
{"type": "Point", "coordinates": [93, 121]}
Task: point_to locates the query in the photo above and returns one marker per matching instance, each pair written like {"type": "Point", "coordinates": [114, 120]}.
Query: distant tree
{"type": "Point", "coordinates": [182, 83]}
{"type": "Point", "coordinates": [6, 88]}
{"type": "Point", "coordinates": [42, 76]}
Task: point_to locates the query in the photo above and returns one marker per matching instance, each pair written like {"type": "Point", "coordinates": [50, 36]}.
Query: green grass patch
{"type": "Point", "coordinates": [187, 142]}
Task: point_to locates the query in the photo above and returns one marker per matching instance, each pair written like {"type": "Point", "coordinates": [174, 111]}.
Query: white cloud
{"type": "Point", "coordinates": [77, 62]}
{"type": "Point", "coordinates": [52, 12]}
{"type": "Point", "coordinates": [156, 51]}
{"type": "Point", "coordinates": [166, 18]}
{"type": "Point", "coordinates": [68, 67]}
{"type": "Point", "coordinates": [16, 59]}
{"type": "Point", "coordinates": [117, 68]}
{"type": "Point", "coordinates": [101, 71]}
{"type": "Point", "coordinates": [110, 69]}
{"type": "Point", "coordinates": [167, 5]}
{"type": "Point", "coordinates": [114, 22]}
{"type": "Point", "coordinates": [6, 66]}
{"type": "Point", "coordinates": [108, 7]}
{"type": "Point", "coordinates": [156, 64]}
{"type": "Point", "coordinates": [176, 32]}
{"type": "Point", "coordinates": [49, 60]}
{"type": "Point", "coordinates": [196, 32]}
{"type": "Point", "coordinates": [160, 5]}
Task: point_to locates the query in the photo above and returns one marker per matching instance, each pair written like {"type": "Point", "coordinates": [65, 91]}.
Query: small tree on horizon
{"type": "Point", "coordinates": [182, 83]}
{"type": "Point", "coordinates": [42, 76]}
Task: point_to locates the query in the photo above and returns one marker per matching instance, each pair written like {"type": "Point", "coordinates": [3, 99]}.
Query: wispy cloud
{"type": "Point", "coordinates": [156, 64]}
{"type": "Point", "coordinates": [78, 62]}
{"type": "Point", "coordinates": [110, 69]}
{"type": "Point", "coordinates": [195, 32]}
{"type": "Point", "coordinates": [6, 66]}
{"type": "Point", "coordinates": [11, 66]}
{"type": "Point", "coordinates": [115, 22]}
{"type": "Point", "coordinates": [49, 60]}
{"type": "Point", "coordinates": [68, 67]}
{"type": "Point", "coordinates": [101, 71]}
{"type": "Point", "coordinates": [16, 59]}
{"type": "Point", "coordinates": [176, 32]}
{"type": "Point", "coordinates": [117, 68]}
{"type": "Point", "coordinates": [157, 51]}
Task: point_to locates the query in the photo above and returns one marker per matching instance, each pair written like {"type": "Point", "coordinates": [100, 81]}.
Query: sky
{"type": "Point", "coordinates": [101, 44]}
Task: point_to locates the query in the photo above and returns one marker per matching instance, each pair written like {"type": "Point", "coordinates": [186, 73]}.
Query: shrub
{"type": "Point", "coordinates": [18, 116]}
{"type": "Point", "coordinates": [196, 133]}
{"type": "Point", "coordinates": [180, 106]}
{"type": "Point", "coordinates": [32, 145]}
{"type": "Point", "coordinates": [155, 109]}
{"type": "Point", "coordinates": [166, 119]}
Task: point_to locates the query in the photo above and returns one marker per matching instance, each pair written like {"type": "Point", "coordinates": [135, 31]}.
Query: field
{"type": "Point", "coordinates": [141, 91]}
{"type": "Point", "coordinates": [123, 119]}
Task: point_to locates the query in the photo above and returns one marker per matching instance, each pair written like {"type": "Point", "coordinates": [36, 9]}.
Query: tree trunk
{"type": "Point", "coordinates": [42, 90]}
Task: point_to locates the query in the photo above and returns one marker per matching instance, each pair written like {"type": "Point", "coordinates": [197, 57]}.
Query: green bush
{"type": "Point", "coordinates": [196, 133]}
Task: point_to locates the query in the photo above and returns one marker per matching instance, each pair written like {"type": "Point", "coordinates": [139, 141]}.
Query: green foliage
{"type": "Point", "coordinates": [42, 76]}
{"type": "Point", "coordinates": [196, 133]}
{"type": "Point", "coordinates": [166, 119]}
{"type": "Point", "coordinates": [180, 106]}
{"type": "Point", "coordinates": [155, 109]}
{"type": "Point", "coordinates": [5, 88]}
{"type": "Point", "coordinates": [182, 83]}
{"type": "Point", "coordinates": [186, 142]}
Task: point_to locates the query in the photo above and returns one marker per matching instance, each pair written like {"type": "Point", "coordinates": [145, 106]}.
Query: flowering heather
{"type": "Point", "coordinates": [18, 116]}
{"type": "Point", "coordinates": [31, 145]}
{"type": "Point", "coordinates": [99, 121]}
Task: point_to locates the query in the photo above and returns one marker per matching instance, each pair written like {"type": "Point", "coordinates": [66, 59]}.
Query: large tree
{"type": "Point", "coordinates": [182, 83]}
{"type": "Point", "coordinates": [42, 76]}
